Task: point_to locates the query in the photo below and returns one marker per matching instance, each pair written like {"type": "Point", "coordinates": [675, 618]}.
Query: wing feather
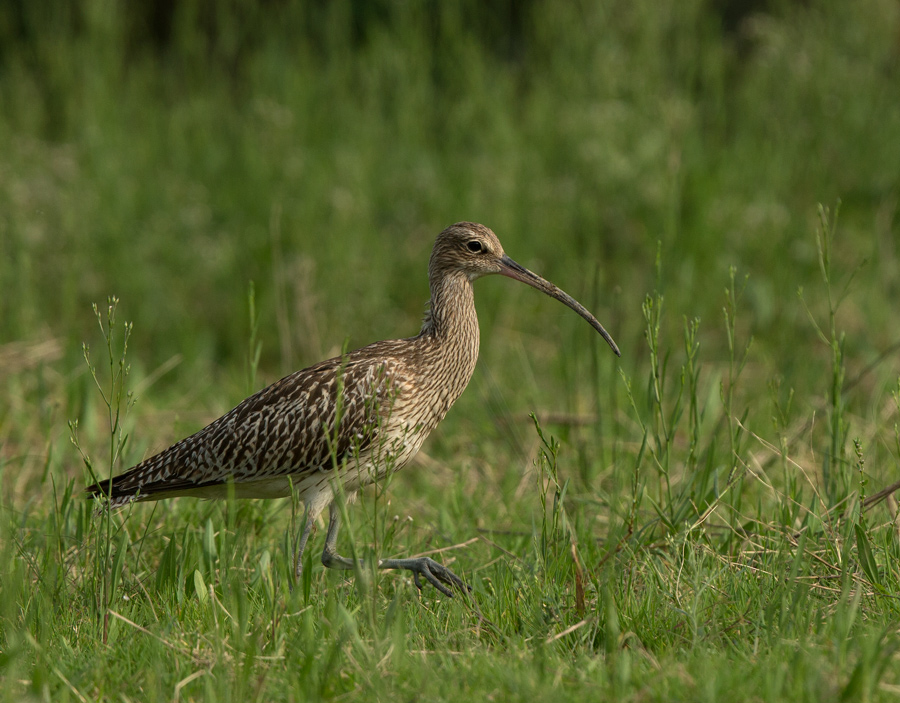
{"type": "Point", "coordinates": [289, 428]}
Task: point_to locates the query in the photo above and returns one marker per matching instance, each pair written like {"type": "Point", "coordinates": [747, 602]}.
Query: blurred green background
{"type": "Point", "coordinates": [170, 152]}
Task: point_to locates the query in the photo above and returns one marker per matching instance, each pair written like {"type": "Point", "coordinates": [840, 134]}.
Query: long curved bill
{"type": "Point", "coordinates": [510, 268]}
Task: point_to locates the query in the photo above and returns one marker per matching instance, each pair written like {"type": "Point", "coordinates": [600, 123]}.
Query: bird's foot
{"type": "Point", "coordinates": [436, 574]}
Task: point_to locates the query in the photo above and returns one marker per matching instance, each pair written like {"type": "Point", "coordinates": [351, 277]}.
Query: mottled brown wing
{"type": "Point", "coordinates": [288, 428]}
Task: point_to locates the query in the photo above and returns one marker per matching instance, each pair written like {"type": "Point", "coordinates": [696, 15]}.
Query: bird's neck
{"type": "Point", "coordinates": [451, 320]}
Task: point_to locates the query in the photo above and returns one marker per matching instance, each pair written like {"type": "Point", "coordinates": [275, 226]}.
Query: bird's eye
{"type": "Point", "coordinates": [475, 246]}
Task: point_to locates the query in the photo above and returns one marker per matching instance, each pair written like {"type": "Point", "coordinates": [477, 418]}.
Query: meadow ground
{"type": "Point", "coordinates": [260, 184]}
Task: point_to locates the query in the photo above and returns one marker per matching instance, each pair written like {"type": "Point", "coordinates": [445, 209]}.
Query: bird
{"type": "Point", "coordinates": [335, 427]}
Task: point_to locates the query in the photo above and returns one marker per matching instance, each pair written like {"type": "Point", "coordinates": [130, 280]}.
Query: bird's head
{"type": "Point", "coordinates": [468, 248]}
{"type": "Point", "coordinates": [475, 251]}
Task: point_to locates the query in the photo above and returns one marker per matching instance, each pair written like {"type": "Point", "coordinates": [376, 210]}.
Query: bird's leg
{"type": "Point", "coordinates": [436, 574]}
{"type": "Point", "coordinates": [330, 558]}
{"type": "Point", "coordinates": [298, 566]}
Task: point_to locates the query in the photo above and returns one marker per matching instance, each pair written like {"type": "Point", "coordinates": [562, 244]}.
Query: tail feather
{"type": "Point", "coordinates": [163, 475]}
{"type": "Point", "coordinates": [127, 491]}
{"type": "Point", "coordinates": [117, 490]}
{"type": "Point", "coordinates": [155, 477]}
{"type": "Point", "coordinates": [144, 481]}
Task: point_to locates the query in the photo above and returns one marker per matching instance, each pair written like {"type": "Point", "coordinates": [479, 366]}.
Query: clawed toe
{"type": "Point", "coordinates": [436, 574]}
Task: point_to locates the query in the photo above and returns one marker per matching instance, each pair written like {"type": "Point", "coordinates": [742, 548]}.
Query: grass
{"type": "Point", "coordinates": [258, 188]}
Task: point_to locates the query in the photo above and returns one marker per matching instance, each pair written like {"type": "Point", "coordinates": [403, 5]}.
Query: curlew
{"type": "Point", "coordinates": [348, 421]}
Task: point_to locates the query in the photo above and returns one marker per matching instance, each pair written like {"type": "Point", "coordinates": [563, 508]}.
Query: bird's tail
{"type": "Point", "coordinates": [116, 490]}
{"type": "Point", "coordinates": [141, 482]}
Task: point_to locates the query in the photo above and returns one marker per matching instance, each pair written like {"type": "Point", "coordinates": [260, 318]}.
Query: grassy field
{"type": "Point", "coordinates": [703, 519]}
